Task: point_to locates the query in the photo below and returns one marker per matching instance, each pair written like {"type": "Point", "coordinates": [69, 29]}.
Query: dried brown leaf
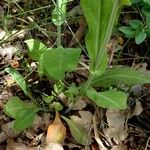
{"type": "Point", "coordinates": [116, 121]}
{"type": "Point", "coordinates": [19, 146]}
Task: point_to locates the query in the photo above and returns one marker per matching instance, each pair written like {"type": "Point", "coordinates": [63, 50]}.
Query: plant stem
{"type": "Point", "coordinates": [88, 83]}
{"type": "Point", "coordinates": [58, 26]}
{"type": "Point", "coordinates": [59, 36]}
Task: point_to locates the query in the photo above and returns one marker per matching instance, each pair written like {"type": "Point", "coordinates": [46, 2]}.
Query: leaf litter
{"type": "Point", "coordinates": [30, 139]}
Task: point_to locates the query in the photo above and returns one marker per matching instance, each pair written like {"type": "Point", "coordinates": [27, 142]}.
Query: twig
{"type": "Point", "coordinates": [147, 143]}
{"type": "Point", "coordinates": [96, 134]}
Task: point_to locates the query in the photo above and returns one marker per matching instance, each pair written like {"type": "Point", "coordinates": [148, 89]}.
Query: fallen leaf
{"type": "Point", "coordinates": [19, 146]}
{"type": "Point", "coordinates": [8, 129]}
{"type": "Point", "coordinates": [119, 147]}
{"type": "Point", "coordinates": [137, 110]}
{"type": "Point", "coordinates": [54, 146]}
{"type": "Point", "coordinates": [116, 129]}
{"type": "Point", "coordinates": [2, 32]}
{"type": "Point", "coordinates": [85, 118]}
{"type": "Point", "coordinates": [1, 12]}
{"type": "Point", "coordinates": [8, 51]}
{"type": "Point", "coordinates": [56, 132]}
{"type": "Point", "coordinates": [79, 105]}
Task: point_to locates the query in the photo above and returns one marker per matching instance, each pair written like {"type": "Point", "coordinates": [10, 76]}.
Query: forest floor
{"type": "Point", "coordinates": [109, 129]}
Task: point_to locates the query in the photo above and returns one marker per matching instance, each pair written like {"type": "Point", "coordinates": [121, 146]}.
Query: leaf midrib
{"type": "Point", "coordinates": [121, 76]}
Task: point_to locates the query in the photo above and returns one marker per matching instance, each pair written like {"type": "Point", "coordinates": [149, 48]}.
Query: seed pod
{"type": "Point", "coordinates": [56, 132]}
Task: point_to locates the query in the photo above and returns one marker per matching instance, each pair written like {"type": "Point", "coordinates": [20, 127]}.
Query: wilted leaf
{"type": "Point", "coordinates": [118, 76]}
{"type": "Point", "coordinates": [110, 99]}
{"type": "Point", "coordinates": [78, 131]}
{"type": "Point", "coordinates": [19, 80]}
{"type": "Point", "coordinates": [35, 48]}
{"type": "Point", "coordinates": [56, 132]}
{"type": "Point", "coordinates": [56, 62]}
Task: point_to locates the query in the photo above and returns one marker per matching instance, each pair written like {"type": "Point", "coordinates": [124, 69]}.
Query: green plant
{"type": "Point", "coordinates": [138, 29]}
{"type": "Point", "coordinates": [101, 16]}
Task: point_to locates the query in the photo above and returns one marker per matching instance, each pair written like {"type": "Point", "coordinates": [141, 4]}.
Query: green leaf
{"type": "Point", "coordinates": [19, 80]}
{"type": "Point", "coordinates": [25, 120]}
{"type": "Point", "coordinates": [110, 99]}
{"type": "Point", "coordinates": [78, 131]}
{"type": "Point", "coordinates": [22, 112]}
{"type": "Point", "coordinates": [57, 106]}
{"type": "Point", "coordinates": [147, 1]}
{"type": "Point", "coordinates": [135, 1]}
{"type": "Point", "coordinates": [14, 107]}
{"type": "Point", "coordinates": [56, 62]}
{"type": "Point", "coordinates": [48, 99]}
{"type": "Point", "coordinates": [35, 48]}
{"type": "Point", "coordinates": [101, 15]}
{"type": "Point", "coordinates": [146, 10]}
{"type": "Point", "coordinates": [59, 13]}
{"type": "Point", "coordinates": [128, 31]}
{"type": "Point", "coordinates": [125, 2]}
{"type": "Point", "coordinates": [140, 37]}
{"type": "Point", "coordinates": [135, 24]}
{"type": "Point", "coordinates": [118, 76]}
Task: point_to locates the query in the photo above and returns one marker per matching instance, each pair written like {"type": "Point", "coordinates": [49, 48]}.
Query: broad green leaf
{"type": "Point", "coordinates": [59, 13]}
{"type": "Point", "coordinates": [14, 107]}
{"type": "Point", "coordinates": [118, 76]}
{"type": "Point", "coordinates": [101, 15]}
{"type": "Point", "coordinates": [125, 2]}
{"type": "Point", "coordinates": [128, 31]}
{"type": "Point", "coordinates": [140, 37]}
{"type": "Point", "coordinates": [135, 24]}
{"type": "Point", "coordinates": [135, 1]}
{"type": "Point", "coordinates": [146, 10]}
{"type": "Point", "coordinates": [147, 1]}
{"type": "Point", "coordinates": [35, 48]}
{"type": "Point", "coordinates": [19, 80]}
{"type": "Point", "coordinates": [78, 131]}
{"type": "Point", "coordinates": [110, 99]}
{"type": "Point", "coordinates": [25, 120]}
{"type": "Point", "coordinates": [56, 62]}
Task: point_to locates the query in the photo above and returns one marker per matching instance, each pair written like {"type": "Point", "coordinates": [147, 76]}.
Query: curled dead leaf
{"type": "Point", "coordinates": [56, 132]}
